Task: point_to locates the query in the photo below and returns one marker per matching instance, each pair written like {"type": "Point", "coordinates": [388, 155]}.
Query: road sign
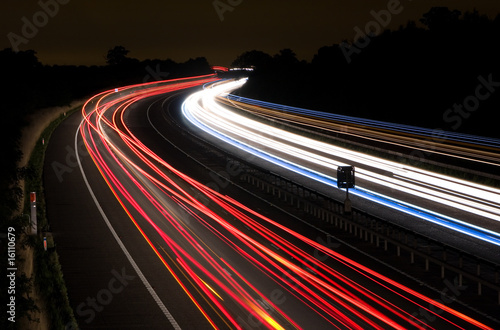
{"type": "Point", "coordinates": [345, 177]}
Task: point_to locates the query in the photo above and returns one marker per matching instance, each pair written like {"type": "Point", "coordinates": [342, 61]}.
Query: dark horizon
{"type": "Point", "coordinates": [71, 33]}
{"type": "Point", "coordinates": [448, 50]}
{"type": "Point", "coordinates": [439, 74]}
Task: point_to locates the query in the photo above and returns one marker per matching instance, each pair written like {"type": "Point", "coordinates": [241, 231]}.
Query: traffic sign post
{"type": "Point", "coordinates": [346, 179]}
{"type": "Point", "coordinates": [33, 223]}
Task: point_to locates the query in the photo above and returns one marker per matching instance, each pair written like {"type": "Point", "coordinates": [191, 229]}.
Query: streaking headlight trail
{"type": "Point", "coordinates": [479, 149]}
{"type": "Point", "coordinates": [317, 160]}
{"type": "Point", "coordinates": [226, 257]}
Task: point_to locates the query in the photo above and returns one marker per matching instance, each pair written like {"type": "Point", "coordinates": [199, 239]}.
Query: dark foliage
{"type": "Point", "coordinates": [30, 85]}
{"type": "Point", "coordinates": [414, 75]}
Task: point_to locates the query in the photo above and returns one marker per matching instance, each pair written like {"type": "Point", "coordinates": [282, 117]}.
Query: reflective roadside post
{"type": "Point", "coordinates": [33, 213]}
{"type": "Point", "coordinates": [346, 179]}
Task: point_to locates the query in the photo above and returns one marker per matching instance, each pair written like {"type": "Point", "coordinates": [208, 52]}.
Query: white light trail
{"type": "Point", "coordinates": [320, 158]}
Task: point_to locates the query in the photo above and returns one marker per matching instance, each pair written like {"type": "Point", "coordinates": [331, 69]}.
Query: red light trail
{"type": "Point", "coordinates": [221, 255]}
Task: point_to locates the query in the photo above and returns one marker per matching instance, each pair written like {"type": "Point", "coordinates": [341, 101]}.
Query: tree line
{"type": "Point", "coordinates": [29, 85]}
{"type": "Point", "coordinates": [442, 72]}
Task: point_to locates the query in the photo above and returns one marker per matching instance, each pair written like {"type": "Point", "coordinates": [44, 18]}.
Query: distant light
{"type": "Point", "coordinates": [241, 69]}
{"type": "Point", "coordinates": [219, 68]}
{"type": "Point", "coordinates": [116, 90]}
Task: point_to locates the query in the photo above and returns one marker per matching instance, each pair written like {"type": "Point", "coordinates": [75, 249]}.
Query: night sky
{"type": "Point", "coordinates": [81, 32]}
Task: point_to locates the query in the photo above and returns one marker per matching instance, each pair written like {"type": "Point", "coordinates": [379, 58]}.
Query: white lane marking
{"type": "Point", "coordinates": [148, 286]}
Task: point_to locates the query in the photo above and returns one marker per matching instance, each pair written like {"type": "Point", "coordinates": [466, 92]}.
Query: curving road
{"type": "Point", "coordinates": [199, 258]}
{"type": "Point", "coordinates": [464, 208]}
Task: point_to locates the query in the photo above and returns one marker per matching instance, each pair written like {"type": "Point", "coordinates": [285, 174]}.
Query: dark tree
{"type": "Point", "coordinates": [253, 58]}
{"type": "Point", "coordinates": [117, 55]}
{"type": "Point", "coordinates": [440, 18]}
{"type": "Point", "coordinates": [286, 57]}
{"type": "Point", "coordinates": [412, 75]}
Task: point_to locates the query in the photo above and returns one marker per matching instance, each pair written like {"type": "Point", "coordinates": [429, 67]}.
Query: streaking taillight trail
{"type": "Point", "coordinates": [220, 254]}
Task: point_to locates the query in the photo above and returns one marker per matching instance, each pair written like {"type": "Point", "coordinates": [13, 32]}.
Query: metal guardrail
{"type": "Point", "coordinates": [377, 231]}
{"type": "Point", "coordinates": [469, 269]}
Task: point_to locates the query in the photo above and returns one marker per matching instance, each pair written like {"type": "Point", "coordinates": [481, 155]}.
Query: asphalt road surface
{"type": "Point", "coordinates": [143, 244]}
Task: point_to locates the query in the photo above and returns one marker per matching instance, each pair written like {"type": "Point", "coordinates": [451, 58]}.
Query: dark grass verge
{"type": "Point", "coordinates": [48, 276]}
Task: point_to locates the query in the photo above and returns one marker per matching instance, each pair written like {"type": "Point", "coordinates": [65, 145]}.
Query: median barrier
{"type": "Point", "coordinates": [430, 255]}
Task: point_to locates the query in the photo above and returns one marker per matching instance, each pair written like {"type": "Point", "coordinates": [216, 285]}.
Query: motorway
{"type": "Point", "coordinates": [451, 147]}
{"type": "Point", "coordinates": [196, 257]}
{"type": "Point", "coordinates": [463, 207]}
